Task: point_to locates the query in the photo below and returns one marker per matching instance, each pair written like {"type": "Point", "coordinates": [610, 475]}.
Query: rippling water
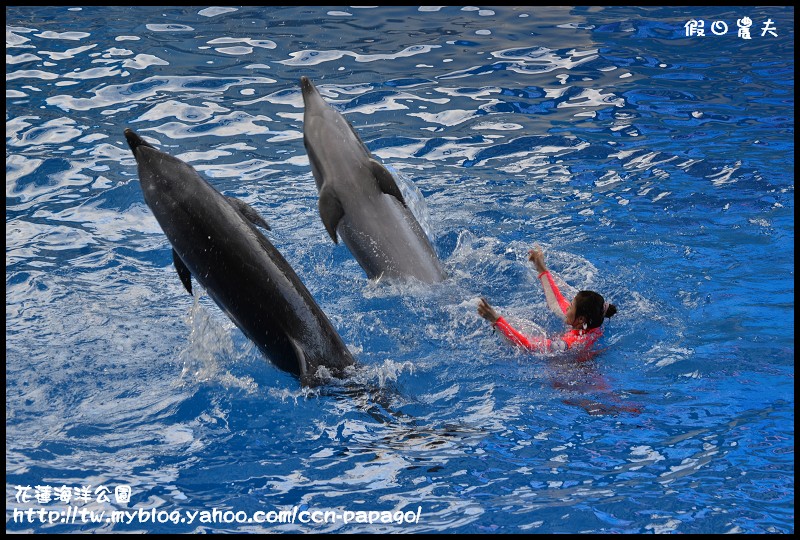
{"type": "Point", "coordinates": [653, 167]}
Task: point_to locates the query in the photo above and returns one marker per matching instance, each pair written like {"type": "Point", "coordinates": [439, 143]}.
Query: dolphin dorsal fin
{"type": "Point", "coordinates": [248, 212]}
{"type": "Point", "coordinates": [330, 210]}
{"type": "Point", "coordinates": [386, 181]}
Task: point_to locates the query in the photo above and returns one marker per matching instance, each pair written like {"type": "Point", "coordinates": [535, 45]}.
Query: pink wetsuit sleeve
{"type": "Point", "coordinates": [517, 338]}
{"type": "Point", "coordinates": [555, 300]}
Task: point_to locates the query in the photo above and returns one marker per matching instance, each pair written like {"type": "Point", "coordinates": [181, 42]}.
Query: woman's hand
{"type": "Point", "coordinates": [537, 258]}
{"type": "Point", "coordinates": [487, 312]}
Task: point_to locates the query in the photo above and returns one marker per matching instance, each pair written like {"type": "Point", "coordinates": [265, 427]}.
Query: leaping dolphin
{"type": "Point", "coordinates": [214, 238]}
{"type": "Point", "coordinates": [359, 199]}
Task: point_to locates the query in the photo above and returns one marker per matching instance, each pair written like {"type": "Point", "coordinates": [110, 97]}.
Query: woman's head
{"type": "Point", "coordinates": [588, 310]}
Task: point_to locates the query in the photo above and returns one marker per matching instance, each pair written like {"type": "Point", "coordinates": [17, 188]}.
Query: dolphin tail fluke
{"type": "Point", "coordinates": [183, 272]}
{"type": "Point", "coordinates": [386, 181]}
{"type": "Point", "coordinates": [331, 211]}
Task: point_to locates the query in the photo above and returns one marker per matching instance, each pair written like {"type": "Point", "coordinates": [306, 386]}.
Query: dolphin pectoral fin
{"type": "Point", "coordinates": [386, 181]}
{"type": "Point", "coordinates": [331, 211]}
{"type": "Point", "coordinates": [183, 272]}
{"type": "Point", "coordinates": [248, 212]}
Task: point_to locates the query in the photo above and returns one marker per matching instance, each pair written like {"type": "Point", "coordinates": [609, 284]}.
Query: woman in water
{"type": "Point", "coordinates": [585, 314]}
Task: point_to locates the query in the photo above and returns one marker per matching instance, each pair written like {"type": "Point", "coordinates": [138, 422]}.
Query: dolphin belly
{"type": "Point", "coordinates": [385, 239]}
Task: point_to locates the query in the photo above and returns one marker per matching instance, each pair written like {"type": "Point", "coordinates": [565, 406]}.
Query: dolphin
{"type": "Point", "coordinates": [215, 240]}
{"type": "Point", "coordinates": [359, 200]}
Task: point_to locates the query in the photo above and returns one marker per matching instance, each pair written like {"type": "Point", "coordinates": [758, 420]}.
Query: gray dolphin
{"type": "Point", "coordinates": [214, 239]}
{"type": "Point", "coordinates": [359, 199]}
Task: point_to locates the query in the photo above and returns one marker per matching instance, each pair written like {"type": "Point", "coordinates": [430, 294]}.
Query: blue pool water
{"type": "Point", "coordinates": [655, 168]}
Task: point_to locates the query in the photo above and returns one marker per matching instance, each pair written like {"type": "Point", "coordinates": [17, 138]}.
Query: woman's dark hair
{"type": "Point", "coordinates": [591, 305]}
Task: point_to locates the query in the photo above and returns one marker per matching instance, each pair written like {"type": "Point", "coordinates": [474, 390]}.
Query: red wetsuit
{"type": "Point", "coordinates": [601, 400]}
{"type": "Point", "coordinates": [559, 305]}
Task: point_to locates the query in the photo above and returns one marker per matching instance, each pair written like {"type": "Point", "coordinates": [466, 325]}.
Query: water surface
{"type": "Point", "coordinates": [652, 167]}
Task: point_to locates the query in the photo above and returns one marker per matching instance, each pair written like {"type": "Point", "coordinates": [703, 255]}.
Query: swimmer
{"type": "Point", "coordinates": [585, 314]}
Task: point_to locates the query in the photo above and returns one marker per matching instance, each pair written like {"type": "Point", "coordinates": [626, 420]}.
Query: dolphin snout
{"type": "Point", "coordinates": [306, 85]}
{"type": "Point", "coordinates": [134, 141]}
